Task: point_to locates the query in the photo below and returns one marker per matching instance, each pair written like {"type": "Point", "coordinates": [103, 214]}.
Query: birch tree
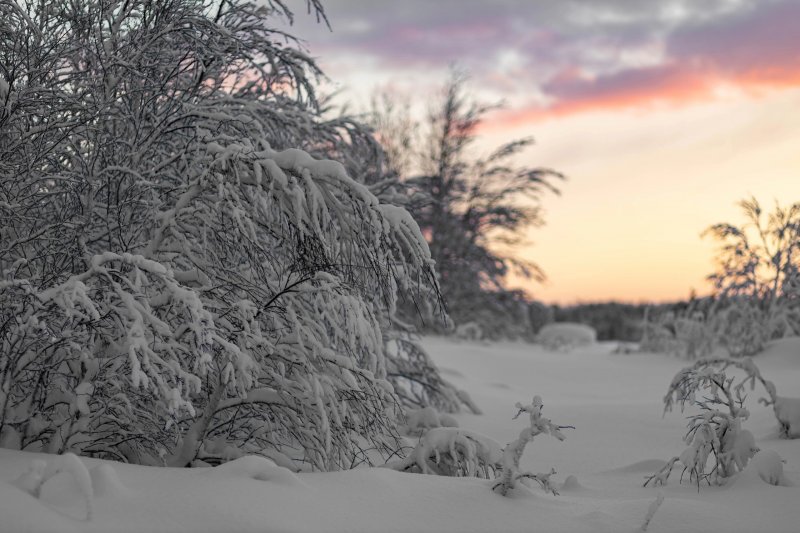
{"type": "Point", "coordinates": [184, 275]}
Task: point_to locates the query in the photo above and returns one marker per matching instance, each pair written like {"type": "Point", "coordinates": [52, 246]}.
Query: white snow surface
{"type": "Point", "coordinates": [613, 400]}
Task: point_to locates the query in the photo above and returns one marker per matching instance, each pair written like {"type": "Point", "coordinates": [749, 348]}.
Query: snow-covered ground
{"type": "Point", "coordinates": [614, 400]}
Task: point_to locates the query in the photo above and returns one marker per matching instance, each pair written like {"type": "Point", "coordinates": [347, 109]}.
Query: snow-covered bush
{"type": "Point", "coordinates": [448, 451]}
{"type": "Point", "coordinates": [471, 331]}
{"type": "Point", "coordinates": [566, 336]}
{"type": "Point", "coordinates": [657, 337]}
{"type": "Point", "coordinates": [685, 334]}
{"type": "Point", "coordinates": [718, 447]}
{"type": "Point", "coordinates": [694, 336]}
{"type": "Point", "coordinates": [741, 328]}
{"type": "Point", "coordinates": [182, 269]}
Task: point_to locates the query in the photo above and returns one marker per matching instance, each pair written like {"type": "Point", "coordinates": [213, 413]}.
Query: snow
{"type": "Point", "coordinates": [613, 400]}
{"type": "Point", "coordinates": [768, 465]}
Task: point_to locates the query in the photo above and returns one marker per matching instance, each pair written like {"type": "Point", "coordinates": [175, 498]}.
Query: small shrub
{"type": "Point", "coordinates": [741, 328]}
{"type": "Point", "coordinates": [471, 331]}
{"type": "Point", "coordinates": [512, 453]}
{"type": "Point", "coordinates": [685, 334]}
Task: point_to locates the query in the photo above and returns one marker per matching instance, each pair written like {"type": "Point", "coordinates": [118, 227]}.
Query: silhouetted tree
{"type": "Point", "coordinates": [467, 207]}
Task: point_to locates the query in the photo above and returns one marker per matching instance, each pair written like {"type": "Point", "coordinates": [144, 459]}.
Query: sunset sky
{"type": "Point", "coordinates": [663, 114]}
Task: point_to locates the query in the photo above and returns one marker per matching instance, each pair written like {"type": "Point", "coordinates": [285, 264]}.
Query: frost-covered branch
{"type": "Point", "coordinates": [513, 451]}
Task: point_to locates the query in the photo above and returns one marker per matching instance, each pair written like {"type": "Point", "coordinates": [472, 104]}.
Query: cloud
{"type": "Point", "coordinates": [758, 45]}
{"type": "Point", "coordinates": [574, 56]}
{"type": "Point", "coordinates": [752, 49]}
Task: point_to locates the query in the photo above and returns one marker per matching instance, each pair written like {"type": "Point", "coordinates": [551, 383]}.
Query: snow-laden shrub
{"type": "Point", "coordinates": [448, 451]}
{"type": "Point", "coordinates": [566, 336]}
{"type": "Point", "coordinates": [182, 269]}
{"type": "Point", "coordinates": [687, 334]}
{"type": "Point", "coordinates": [741, 328]}
{"type": "Point", "coordinates": [657, 338]}
{"type": "Point", "coordinates": [471, 331]}
{"type": "Point", "coordinates": [694, 336]}
{"type": "Point", "coordinates": [717, 446]}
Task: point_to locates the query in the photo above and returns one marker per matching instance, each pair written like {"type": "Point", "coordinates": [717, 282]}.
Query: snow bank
{"type": "Point", "coordinates": [614, 402]}
{"type": "Point", "coordinates": [766, 466]}
{"type": "Point", "coordinates": [255, 467]}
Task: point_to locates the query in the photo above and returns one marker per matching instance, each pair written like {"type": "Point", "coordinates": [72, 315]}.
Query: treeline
{"type": "Point", "coordinates": [619, 321]}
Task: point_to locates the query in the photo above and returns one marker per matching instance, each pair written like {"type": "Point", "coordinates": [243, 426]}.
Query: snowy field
{"type": "Point", "coordinates": [613, 400]}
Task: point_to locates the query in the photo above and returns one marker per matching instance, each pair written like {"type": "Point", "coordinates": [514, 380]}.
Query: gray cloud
{"type": "Point", "coordinates": [568, 49]}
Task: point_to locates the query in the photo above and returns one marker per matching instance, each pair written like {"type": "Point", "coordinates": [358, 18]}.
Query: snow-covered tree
{"type": "Point", "coordinates": [758, 272]}
{"type": "Point", "coordinates": [472, 210]}
{"type": "Point", "coordinates": [184, 275]}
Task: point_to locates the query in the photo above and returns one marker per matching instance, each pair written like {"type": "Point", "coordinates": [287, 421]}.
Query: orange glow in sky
{"type": "Point", "coordinates": [644, 184]}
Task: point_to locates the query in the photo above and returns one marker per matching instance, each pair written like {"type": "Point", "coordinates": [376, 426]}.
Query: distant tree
{"type": "Point", "coordinates": [466, 206]}
{"type": "Point", "coordinates": [761, 257]}
{"type": "Point", "coordinates": [758, 267]}
{"type": "Point", "coordinates": [612, 320]}
{"type": "Point", "coordinates": [183, 273]}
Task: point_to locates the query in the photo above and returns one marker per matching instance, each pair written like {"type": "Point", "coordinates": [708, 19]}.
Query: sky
{"type": "Point", "coordinates": [663, 114]}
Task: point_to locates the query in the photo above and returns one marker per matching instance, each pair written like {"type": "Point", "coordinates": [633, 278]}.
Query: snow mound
{"type": "Point", "coordinates": [786, 349]}
{"type": "Point", "coordinates": [40, 471]}
{"type": "Point", "coordinates": [648, 465]}
{"type": "Point", "coordinates": [106, 482]}
{"type": "Point", "coordinates": [566, 336]}
{"type": "Point", "coordinates": [571, 484]}
{"type": "Point", "coordinates": [256, 467]}
{"type": "Point", "coordinates": [787, 411]}
{"type": "Point", "coordinates": [767, 466]}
